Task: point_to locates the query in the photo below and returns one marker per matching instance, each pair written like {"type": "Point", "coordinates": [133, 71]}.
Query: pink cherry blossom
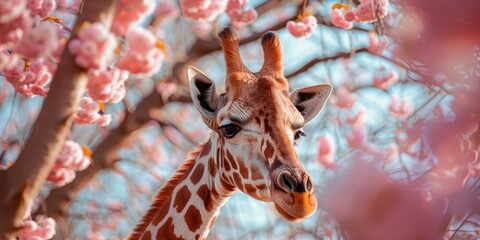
{"type": "Point", "coordinates": [107, 86]}
{"type": "Point", "coordinates": [95, 236]}
{"type": "Point", "coordinates": [129, 12]}
{"type": "Point", "coordinates": [384, 82]}
{"type": "Point", "coordinates": [326, 152]}
{"type": "Point", "coordinates": [203, 10]}
{"type": "Point", "coordinates": [344, 99]}
{"type": "Point", "coordinates": [70, 160]}
{"type": "Point", "coordinates": [338, 19]}
{"type": "Point", "coordinates": [8, 61]}
{"type": "Point", "coordinates": [11, 9]}
{"type": "Point", "coordinates": [356, 120]}
{"type": "Point", "coordinates": [376, 44]}
{"type": "Point", "coordinates": [400, 108]}
{"type": "Point", "coordinates": [40, 41]}
{"type": "Point", "coordinates": [89, 113]}
{"type": "Point", "coordinates": [305, 28]}
{"type": "Point", "coordinates": [166, 10]}
{"type": "Point", "coordinates": [40, 229]}
{"type": "Point", "coordinates": [144, 55]}
{"type": "Point", "coordinates": [236, 12]}
{"type": "Point", "coordinates": [72, 156]}
{"type": "Point", "coordinates": [201, 29]}
{"type": "Point", "coordinates": [370, 10]}
{"type": "Point", "coordinates": [41, 8]}
{"type": "Point", "coordinates": [357, 137]}
{"type": "Point", "coordinates": [94, 47]}
{"type": "Point", "coordinates": [29, 81]}
{"type": "Point", "coordinates": [114, 205]}
{"type": "Point", "coordinates": [11, 32]}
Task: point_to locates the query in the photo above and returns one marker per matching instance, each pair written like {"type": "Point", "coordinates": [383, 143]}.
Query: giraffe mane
{"type": "Point", "coordinates": [165, 192]}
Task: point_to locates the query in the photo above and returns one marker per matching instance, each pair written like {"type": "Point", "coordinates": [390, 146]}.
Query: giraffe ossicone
{"type": "Point", "coordinates": [254, 124]}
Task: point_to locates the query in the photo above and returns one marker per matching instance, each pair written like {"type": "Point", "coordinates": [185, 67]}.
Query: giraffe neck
{"type": "Point", "coordinates": [188, 203]}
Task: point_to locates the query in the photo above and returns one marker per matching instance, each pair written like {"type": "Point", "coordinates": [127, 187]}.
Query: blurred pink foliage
{"type": "Point", "coordinates": [144, 54]}
{"type": "Point", "coordinates": [326, 152]}
{"type": "Point", "coordinates": [303, 28]}
{"type": "Point", "coordinates": [203, 10]}
{"type": "Point", "coordinates": [12, 30]}
{"type": "Point", "coordinates": [385, 80]}
{"type": "Point", "coordinates": [107, 86]}
{"type": "Point", "coordinates": [236, 12]}
{"type": "Point", "coordinates": [29, 80]}
{"type": "Point", "coordinates": [344, 98]}
{"type": "Point", "coordinates": [339, 19]}
{"type": "Point", "coordinates": [166, 10]}
{"type": "Point", "coordinates": [40, 229]}
{"type": "Point", "coordinates": [401, 108]}
{"type": "Point", "coordinates": [377, 44]}
{"type": "Point", "coordinates": [129, 12]}
{"type": "Point", "coordinates": [41, 8]}
{"type": "Point", "coordinates": [11, 9]}
{"type": "Point", "coordinates": [89, 113]}
{"type": "Point", "coordinates": [40, 41]}
{"type": "Point", "coordinates": [70, 160]}
{"type": "Point", "coordinates": [370, 205]}
{"type": "Point", "coordinates": [94, 47]}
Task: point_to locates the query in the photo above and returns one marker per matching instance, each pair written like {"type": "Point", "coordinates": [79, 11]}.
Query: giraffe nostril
{"type": "Point", "coordinates": [287, 182]}
{"type": "Point", "coordinates": [309, 185]}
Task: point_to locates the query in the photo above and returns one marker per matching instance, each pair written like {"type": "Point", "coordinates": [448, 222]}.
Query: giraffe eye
{"type": "Point", "coordinates": [229, 130]}
{"type": "Point", "coordinates": [299, 134]}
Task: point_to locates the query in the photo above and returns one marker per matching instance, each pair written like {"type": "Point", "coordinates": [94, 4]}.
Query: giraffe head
{"type": "Point", "coordinates": [256, 123]}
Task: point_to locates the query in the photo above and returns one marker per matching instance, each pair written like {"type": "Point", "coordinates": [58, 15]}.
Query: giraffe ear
{"type": "Point", "coordinates": [310, 100]}
{"type": "Point", "coordinates": [203, 93]}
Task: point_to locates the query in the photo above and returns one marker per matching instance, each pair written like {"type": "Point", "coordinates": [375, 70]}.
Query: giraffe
{"type": "Point", "coordinates": [255, 125]}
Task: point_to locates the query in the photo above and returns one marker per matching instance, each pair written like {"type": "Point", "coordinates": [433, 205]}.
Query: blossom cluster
{"type": "Point", "coordinates": [303, 28]}
{"type": "Point", "coordinates": [107, 86]}
{"type": "Point", "coordinates": [90, 112]}
{"type": "Point", "coordinates": [94, 47]}
{"type": "Point", "coordinates": [40, 229]}
{"type": "Point", "coordinates": [72, 158]}
{"type": "Point", "coordinates": [366, 11]}
{"type": "Point", "coordinates": [129, 12]}
{"type": "Point", "coordinates": [235, 10]}
{"type": "Point", "coordinates": [29, 78]}
{"type": "Point", "coordinates": [144, 54]}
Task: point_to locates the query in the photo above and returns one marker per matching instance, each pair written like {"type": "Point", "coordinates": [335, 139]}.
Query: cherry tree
{"type": "Point", "coordinates": [95, 113]}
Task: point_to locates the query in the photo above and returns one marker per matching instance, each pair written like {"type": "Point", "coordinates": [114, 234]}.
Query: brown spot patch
{"type": "Point", "coordinates": [227, 165]}
{"type": "Point", "coordinates": [206, 149]}
{"type": "Point", "coordinates": [256, 175]}
{"type": "Point", "coordinates": [204, 194]}
{"type": "Point", "coordinates": [212, 169]}
{"type": "Point", "coordinates": [269, 150]}
{"type": "Point", "coordinates": [250, 188]}
{"type": "Point", "coordinates": [197, 173]}
{"type": "Point", "coordinates": [238, 180]}
{"type": "Point", "coordinates": [243, 169]}
{"type": "Point", "coordinates": [193, 219]}
{"type": "Point", "coordinates": [261, 187]}
{"type": "Point", "coordinates": [181, 199]}
{"type": "Point", "coordinates": [232, 161]}
{"type": "Point", "coordinates": [166, 231]}
{"type": "Point", "coordinates": [147, 235]}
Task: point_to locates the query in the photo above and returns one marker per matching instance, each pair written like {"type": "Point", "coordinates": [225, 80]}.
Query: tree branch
{"type": "Point", "coordinates": [105, 154]}
{"type": "Point", "coordinates": [314, 61]}
{"type": "Point", "coordinates": [22, 182]}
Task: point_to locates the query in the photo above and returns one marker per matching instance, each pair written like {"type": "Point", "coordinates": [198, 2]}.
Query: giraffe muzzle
{"type": "Point", "coordinates": [298, 181]}
{"type": "Point", "coordinates": [293, 194]}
